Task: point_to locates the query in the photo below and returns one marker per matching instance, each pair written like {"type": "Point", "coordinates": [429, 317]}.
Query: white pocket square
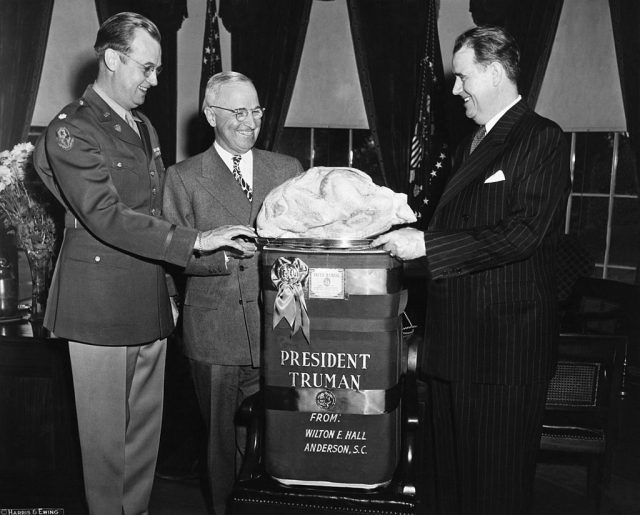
{"type": "Point", "coordinates": [496, 177]}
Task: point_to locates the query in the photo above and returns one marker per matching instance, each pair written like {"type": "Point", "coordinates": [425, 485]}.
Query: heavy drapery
{"type": "Point", "coordinates": [24, 29]}
{"type": "Point", "coordinates": [625, 18]}
{"type": "Point", "coordinates": [388, 41]}
{"type": "Point", "coordinates": [161, 103]}
{"type": "Point", "coordinates": [266, 45]}
{"type": "Point", "coordinates": [533, 23]}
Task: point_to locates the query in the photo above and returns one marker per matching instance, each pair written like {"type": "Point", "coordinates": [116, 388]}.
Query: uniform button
{"type": "Point", "coordinates": [153, 190]}
{"type": "Point", "coordinates": [152, 173]}
{"type": "Point", "coordinates": [97, 259]}
{"type": "Point", "coordinates": [240, 301]}
{"type": "Point", "coordinates": [119, 164]}
{"type": "Point", "coordinates": [153, 211]}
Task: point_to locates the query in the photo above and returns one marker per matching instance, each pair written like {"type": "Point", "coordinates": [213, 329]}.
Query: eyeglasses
{"type": "Point", "coordinates": [242, 113]}
{"type": "Point", "coordinates": [147, 69]}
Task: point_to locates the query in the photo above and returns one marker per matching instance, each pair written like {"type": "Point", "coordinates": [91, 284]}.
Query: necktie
{"type": "Point", "coordinates": [132, 123]}
{"type": "Point", "coordinates": [477, 137]}
{"type": "Point", "coordinates": [238, 175]}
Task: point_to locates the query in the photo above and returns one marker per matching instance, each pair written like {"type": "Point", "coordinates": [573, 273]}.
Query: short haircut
{"type": "Point", "coordinates": [491, 44]}
{"type": "Point", "coordinates": [215, 83]}
{"type": "Point", "coordinates": [119, 31]}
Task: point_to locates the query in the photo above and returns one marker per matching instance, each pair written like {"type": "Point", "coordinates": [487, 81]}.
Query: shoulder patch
{"type": "Point", "coordinates": [64, 138]}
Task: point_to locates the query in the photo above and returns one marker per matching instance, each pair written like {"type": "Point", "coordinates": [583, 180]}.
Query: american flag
{"type": "Point", "coordinates": [211, 62]}
{"type": "Point", "coordinates": [429, 161]}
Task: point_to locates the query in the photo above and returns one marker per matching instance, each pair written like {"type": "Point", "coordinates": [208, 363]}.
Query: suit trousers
{"type": "Point", "coordinates": [485, 445]}
{"type": "Point", "coordinates": [119, 394]}
{"type": "Point", "coordinates": [220, 390]}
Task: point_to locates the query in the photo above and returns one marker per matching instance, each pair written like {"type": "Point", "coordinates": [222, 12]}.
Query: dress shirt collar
{"type": "Point", "coordinates": [489, 125]}
{"type": "Point", "coordinates": [246, 163]}
{"type": "Point", "coordinates": [119, 110]}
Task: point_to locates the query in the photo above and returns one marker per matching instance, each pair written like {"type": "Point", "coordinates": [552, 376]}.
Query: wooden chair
{"type": "Point", "coordinates": [256, 492]}
{"type": "Point", "coordinates": [583, 403]}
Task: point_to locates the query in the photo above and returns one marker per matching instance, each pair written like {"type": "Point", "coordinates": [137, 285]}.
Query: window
{"type": "Point", "coordinates": [332, 147]}
{"type": "Point", "coordinates": [603, 209]}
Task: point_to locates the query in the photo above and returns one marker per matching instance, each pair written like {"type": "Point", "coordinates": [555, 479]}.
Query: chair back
{"type": "Point", "coordinates": [576, 384]}
{"type": "Point", "coordinates": [583, 398]}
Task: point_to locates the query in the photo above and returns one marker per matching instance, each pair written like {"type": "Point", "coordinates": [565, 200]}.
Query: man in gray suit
{"type": "Point", "coordinates": [221, 316]}
{"type": "Point", "coordinates": [489, 249]}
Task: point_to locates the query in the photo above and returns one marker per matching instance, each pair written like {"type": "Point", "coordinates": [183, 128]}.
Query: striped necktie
{"type": "Point", "coordinates": [238, 175]}
{"type": "Point", "coordinates": [477, 137]}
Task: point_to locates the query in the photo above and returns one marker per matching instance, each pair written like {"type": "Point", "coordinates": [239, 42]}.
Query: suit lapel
{"type": "Point", "coordinates": [218, 180]}
{"type": "Point", "coordinates": [478, 162]}
{"type": "Point", "coordinates": [262, 180]}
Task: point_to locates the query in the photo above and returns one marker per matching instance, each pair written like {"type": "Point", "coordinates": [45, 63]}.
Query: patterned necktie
{"type": "Point", "coordinates": [236, 173]}
{"type": "Point", "coordinates": [477, 137]}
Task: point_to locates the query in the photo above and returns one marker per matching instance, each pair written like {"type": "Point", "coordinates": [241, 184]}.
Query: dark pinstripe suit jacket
{"type": "Point", "coordinates": [491, 313]}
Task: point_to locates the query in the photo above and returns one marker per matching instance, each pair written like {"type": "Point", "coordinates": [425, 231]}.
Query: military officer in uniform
{"type": "Point", "coordinates": [101, 158]}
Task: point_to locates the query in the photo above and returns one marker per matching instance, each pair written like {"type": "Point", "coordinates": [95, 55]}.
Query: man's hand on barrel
{"type": "Point", "coordinates": [237, 238]}
{"type": "Point", "coordinates": [406, 243]}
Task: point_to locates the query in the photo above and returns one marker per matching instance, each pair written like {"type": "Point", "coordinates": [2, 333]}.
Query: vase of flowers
{"type": "Point", "coordinates": [24, 209]}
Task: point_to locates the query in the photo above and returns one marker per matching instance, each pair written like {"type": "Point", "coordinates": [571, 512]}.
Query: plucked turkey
{"type": "Point", "coordinates": [331, 203]}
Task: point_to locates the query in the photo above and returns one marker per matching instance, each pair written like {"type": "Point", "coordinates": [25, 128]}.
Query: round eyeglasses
{"type": "Point", "coordinates": [147, 69]}
{"type": "Point", "coordinates": [242, 112]}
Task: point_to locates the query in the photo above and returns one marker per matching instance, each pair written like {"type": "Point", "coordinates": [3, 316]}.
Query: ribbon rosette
{"type": "Point", "coordinates": [288, 275]}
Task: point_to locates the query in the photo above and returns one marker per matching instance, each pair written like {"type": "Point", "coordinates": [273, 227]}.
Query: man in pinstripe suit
{"type": "Point", "coordinates": [491, 308]}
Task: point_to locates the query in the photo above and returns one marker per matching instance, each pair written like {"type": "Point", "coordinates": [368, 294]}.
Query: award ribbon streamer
{"type": "Point", "coordinates": [288, 275]}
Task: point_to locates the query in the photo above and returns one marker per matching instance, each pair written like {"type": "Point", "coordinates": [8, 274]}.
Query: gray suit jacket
{"type": "Point", "coordinates": [221, 315]}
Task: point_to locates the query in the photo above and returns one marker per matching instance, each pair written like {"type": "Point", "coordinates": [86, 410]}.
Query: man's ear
{"type": "Point", "coordinates": [498, 73]}
{"type": "Point", "coordinates": [211, 116]}
{"type": "Point", "coordinates": [110, 58]}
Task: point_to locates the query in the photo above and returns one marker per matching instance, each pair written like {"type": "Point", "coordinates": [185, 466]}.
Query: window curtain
{"type": "Point", "coordinates": [24, 29]}
{"type": "Point", "coordinates": [625, 18]}
{"type": "Point", "coordinates": [388, 41]}
{"type": "Point", "coordinates": [533, 23]}
{"type": "Point", "coordinates": [161, 102]}
{"type": "Point", "coordinates": [266, 45]}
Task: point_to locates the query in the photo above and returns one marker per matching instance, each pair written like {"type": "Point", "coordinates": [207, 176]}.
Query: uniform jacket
{"type": "Point", "coordinates": [490, 248]}
{"type": "Point", "coordinates": [109, 284]}
{"type": "Point", "coordinates": [221, 314]}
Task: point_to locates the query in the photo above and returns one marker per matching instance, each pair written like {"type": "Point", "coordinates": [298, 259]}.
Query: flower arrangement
{"type": "Point", "coordinates": [23, 201]}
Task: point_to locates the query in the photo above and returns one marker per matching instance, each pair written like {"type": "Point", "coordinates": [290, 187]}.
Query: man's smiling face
{"type": "Point", "coordinates": [475, 85]}
{"type": "Point", "coordinates": [234, 136]}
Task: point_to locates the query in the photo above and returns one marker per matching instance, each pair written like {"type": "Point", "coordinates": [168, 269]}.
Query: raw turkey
{"type": "Point", "coordinates": [331, 203]}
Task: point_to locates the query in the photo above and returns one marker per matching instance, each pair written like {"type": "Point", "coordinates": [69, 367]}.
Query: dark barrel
{"type": "Point", "coordinates": [332, 387]}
